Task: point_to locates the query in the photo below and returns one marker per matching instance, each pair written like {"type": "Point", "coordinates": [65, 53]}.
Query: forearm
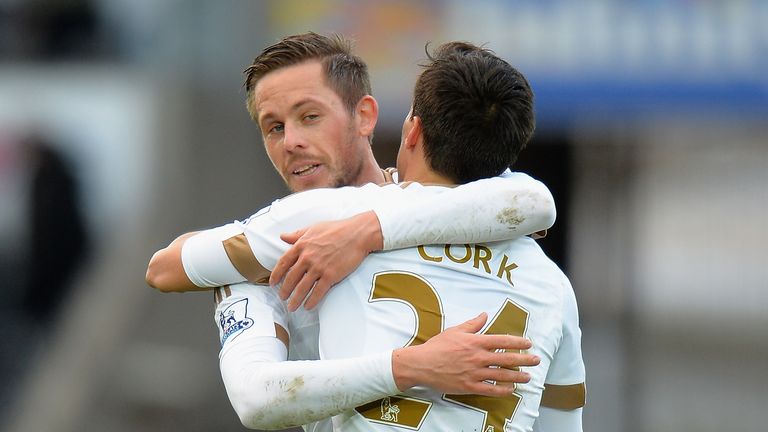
{"type": "Point", "coordinates": [482, 211]}
{"type": "Point", "coordinates": [279, 394]}
{"type": "Point", "coordinates": [165, 271]}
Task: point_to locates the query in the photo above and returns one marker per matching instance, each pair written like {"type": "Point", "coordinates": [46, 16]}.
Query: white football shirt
{"type": "Point", "coordinates": [247, 250]}
{"type": "Point", "coordinates": [405, 297]}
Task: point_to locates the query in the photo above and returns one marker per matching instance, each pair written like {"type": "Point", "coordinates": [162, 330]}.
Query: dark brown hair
{"type": "Point", "coordinates": [476, 111]}
{"type": "Point", "coordinates": [345, 72]}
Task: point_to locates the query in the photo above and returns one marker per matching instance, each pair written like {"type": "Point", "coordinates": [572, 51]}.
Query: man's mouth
{"type": "Point", "coordinates": [305, 170]}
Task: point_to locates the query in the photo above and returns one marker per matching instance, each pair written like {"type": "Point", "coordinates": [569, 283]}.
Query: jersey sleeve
{"type": "Point", "coordinates": [551, 419]}
{"type": "Point", "coordinates": [205, 259]}
{"type": "Point", "coordinates": [248, 250]}
{"type": "Point", "coordinates": [494, 209]}
{"type": "Point", "coordinates": [564, 389]}
{"type": "Point", "coordinates": [269, 392]}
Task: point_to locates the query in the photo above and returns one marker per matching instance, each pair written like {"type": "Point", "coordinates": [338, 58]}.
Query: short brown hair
{"type": "Point", "coordinates": [476, 112]}
{"type": "Point", "coordinates": [346, 73]}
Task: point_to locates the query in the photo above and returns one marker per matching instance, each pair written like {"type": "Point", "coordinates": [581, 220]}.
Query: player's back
{"type": "Point", "coordinates": [407, 296]}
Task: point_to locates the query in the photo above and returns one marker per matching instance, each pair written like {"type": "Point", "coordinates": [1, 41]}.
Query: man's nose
{"type": "Point", "coordinates": [292, 139]}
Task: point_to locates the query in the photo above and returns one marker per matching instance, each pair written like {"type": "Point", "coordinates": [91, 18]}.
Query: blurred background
{"type": "Point", "coordinates": [122, 125]}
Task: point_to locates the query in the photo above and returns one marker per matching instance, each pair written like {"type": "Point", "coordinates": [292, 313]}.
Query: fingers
{"type": "Point", "coordinates": [288, 259]}
{"type": "Point", "coordinates": [495, 382]}
{"type": "Point", "coordinates": [305, 286]}
{"type": "Point", "coordinates": [509, 342]}
{"type": "Point", "coordinates": [300, 292]}
{"type": "Point", "coordinates": [318, 292]}
{"type": "Point", "coordinates": [473, 325]}
{"type": "Point", "coordinates": [491, 390]}
{"type": "Point", "coordinates": [506, 376]}
{"type": "Point", "coordinates": [283, 265]}
{"type": "Point", "coordinates": [515, 360]}
{"type": "Point", "coordinates": [292, 278]}
{"type": "Point", "coordinates": [293, 237]}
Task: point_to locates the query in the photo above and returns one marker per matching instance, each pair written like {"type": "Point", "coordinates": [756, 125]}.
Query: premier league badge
{"type": "Point", "coordinates": [234, 320]}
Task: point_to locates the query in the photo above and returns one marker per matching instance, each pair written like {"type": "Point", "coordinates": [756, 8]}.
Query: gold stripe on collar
{"type": "Point", "coordinates": [388, 172]}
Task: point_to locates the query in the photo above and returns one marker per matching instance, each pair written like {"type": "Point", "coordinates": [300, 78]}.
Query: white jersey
{"type": "Point", "coordinates": [405, 297]}
{"type": "Point", "coordinates": [246, 251]}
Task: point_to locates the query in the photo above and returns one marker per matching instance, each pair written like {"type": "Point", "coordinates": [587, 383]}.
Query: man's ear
{"type": "Point", "coordinates": [367, 114]}
{"type": "Point", "coordinates": [414, 134]}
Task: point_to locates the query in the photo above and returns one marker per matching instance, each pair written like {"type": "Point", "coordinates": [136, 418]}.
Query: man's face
{"type": "Point", "coordinates": [310, 136]}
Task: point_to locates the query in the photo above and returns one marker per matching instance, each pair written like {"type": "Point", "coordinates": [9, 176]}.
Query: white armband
{"type": "Point", "coordinates": [499, 208]}
{"type": "Point", "coordinates": [269, 393]}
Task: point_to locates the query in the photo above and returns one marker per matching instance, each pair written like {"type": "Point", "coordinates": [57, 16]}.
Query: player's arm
{"type": "Point", "coordinates": [223, 256]}
{"type": "Point", "coordinates": [564, 393]}
{"type": "Point", "coordinates": [165, 271]}
{"type": "Point", "coordinates": [268, 392]}
{"type": "Point", "coordinates": [243, 251]}
{"type": "Point", "coordinates": [494, 209]}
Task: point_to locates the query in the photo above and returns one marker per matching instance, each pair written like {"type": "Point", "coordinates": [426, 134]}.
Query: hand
{"type": "Point", "coordinates": [322, 255]}
{"type": "Point", "coordinates": [459, 361]}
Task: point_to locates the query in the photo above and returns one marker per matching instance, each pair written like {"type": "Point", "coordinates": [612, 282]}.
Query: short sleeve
{"type": "Point", "coordinates": [564, 387]}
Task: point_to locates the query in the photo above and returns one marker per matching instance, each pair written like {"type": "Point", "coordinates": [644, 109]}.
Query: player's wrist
{"type": "Point", "coordinates": [371, 236]}
{"type": "Point", "coordinates": [403, 371]}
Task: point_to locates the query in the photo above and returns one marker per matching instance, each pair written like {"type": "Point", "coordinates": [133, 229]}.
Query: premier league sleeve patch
{"type": "Point", "coordinates": [234, 320]}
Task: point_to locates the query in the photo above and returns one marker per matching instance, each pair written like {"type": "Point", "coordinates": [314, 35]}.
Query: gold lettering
{"type": "Point", "coordinates": [425, 257]}
{"type": "Point", "coordinates": [459, 260]}
{"type": "Point", "coordinates": [482, 254]}
{"type": "Point", "coordinates": [504, 268]}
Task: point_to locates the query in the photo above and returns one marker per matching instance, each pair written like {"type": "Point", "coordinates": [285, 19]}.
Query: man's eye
{"type": "Point", "coordinates": [311, 117]}
{"type": "Point", "coordinates": [276, 128]}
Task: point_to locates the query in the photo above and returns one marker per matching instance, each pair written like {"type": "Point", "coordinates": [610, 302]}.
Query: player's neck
{"type": "Point", "coordinates": [370, 172]}
{"type": "Point", "coordinates": [422, 174]}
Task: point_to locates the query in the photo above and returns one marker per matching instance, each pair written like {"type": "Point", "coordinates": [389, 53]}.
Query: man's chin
{"type": "Point", "coordinates": [301, 184]}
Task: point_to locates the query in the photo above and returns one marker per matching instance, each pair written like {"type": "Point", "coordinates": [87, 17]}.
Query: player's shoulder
{"type": "Point", "coordinates": [322, 195]}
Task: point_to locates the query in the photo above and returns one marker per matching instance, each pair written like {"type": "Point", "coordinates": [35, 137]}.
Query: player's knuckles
{"type": "Point", "coordinates": [313, 273]}
{"type": "Point", "coordinates": [307, 259]}
{"type": "Point", "coordinates": [478, 374]}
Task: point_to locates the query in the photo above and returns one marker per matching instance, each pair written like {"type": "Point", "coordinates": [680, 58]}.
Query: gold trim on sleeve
{"type": "Point", "coordinates": [242, 257]}
{"type": "Point", "coordinates": [564, 397]}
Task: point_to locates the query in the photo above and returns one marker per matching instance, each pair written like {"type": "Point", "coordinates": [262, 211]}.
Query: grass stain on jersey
{"type": "Point", "coordinates": [510, 217]}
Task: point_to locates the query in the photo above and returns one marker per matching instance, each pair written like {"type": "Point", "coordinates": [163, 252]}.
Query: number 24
{"type": "Point", "coordinates": [420, 296]}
